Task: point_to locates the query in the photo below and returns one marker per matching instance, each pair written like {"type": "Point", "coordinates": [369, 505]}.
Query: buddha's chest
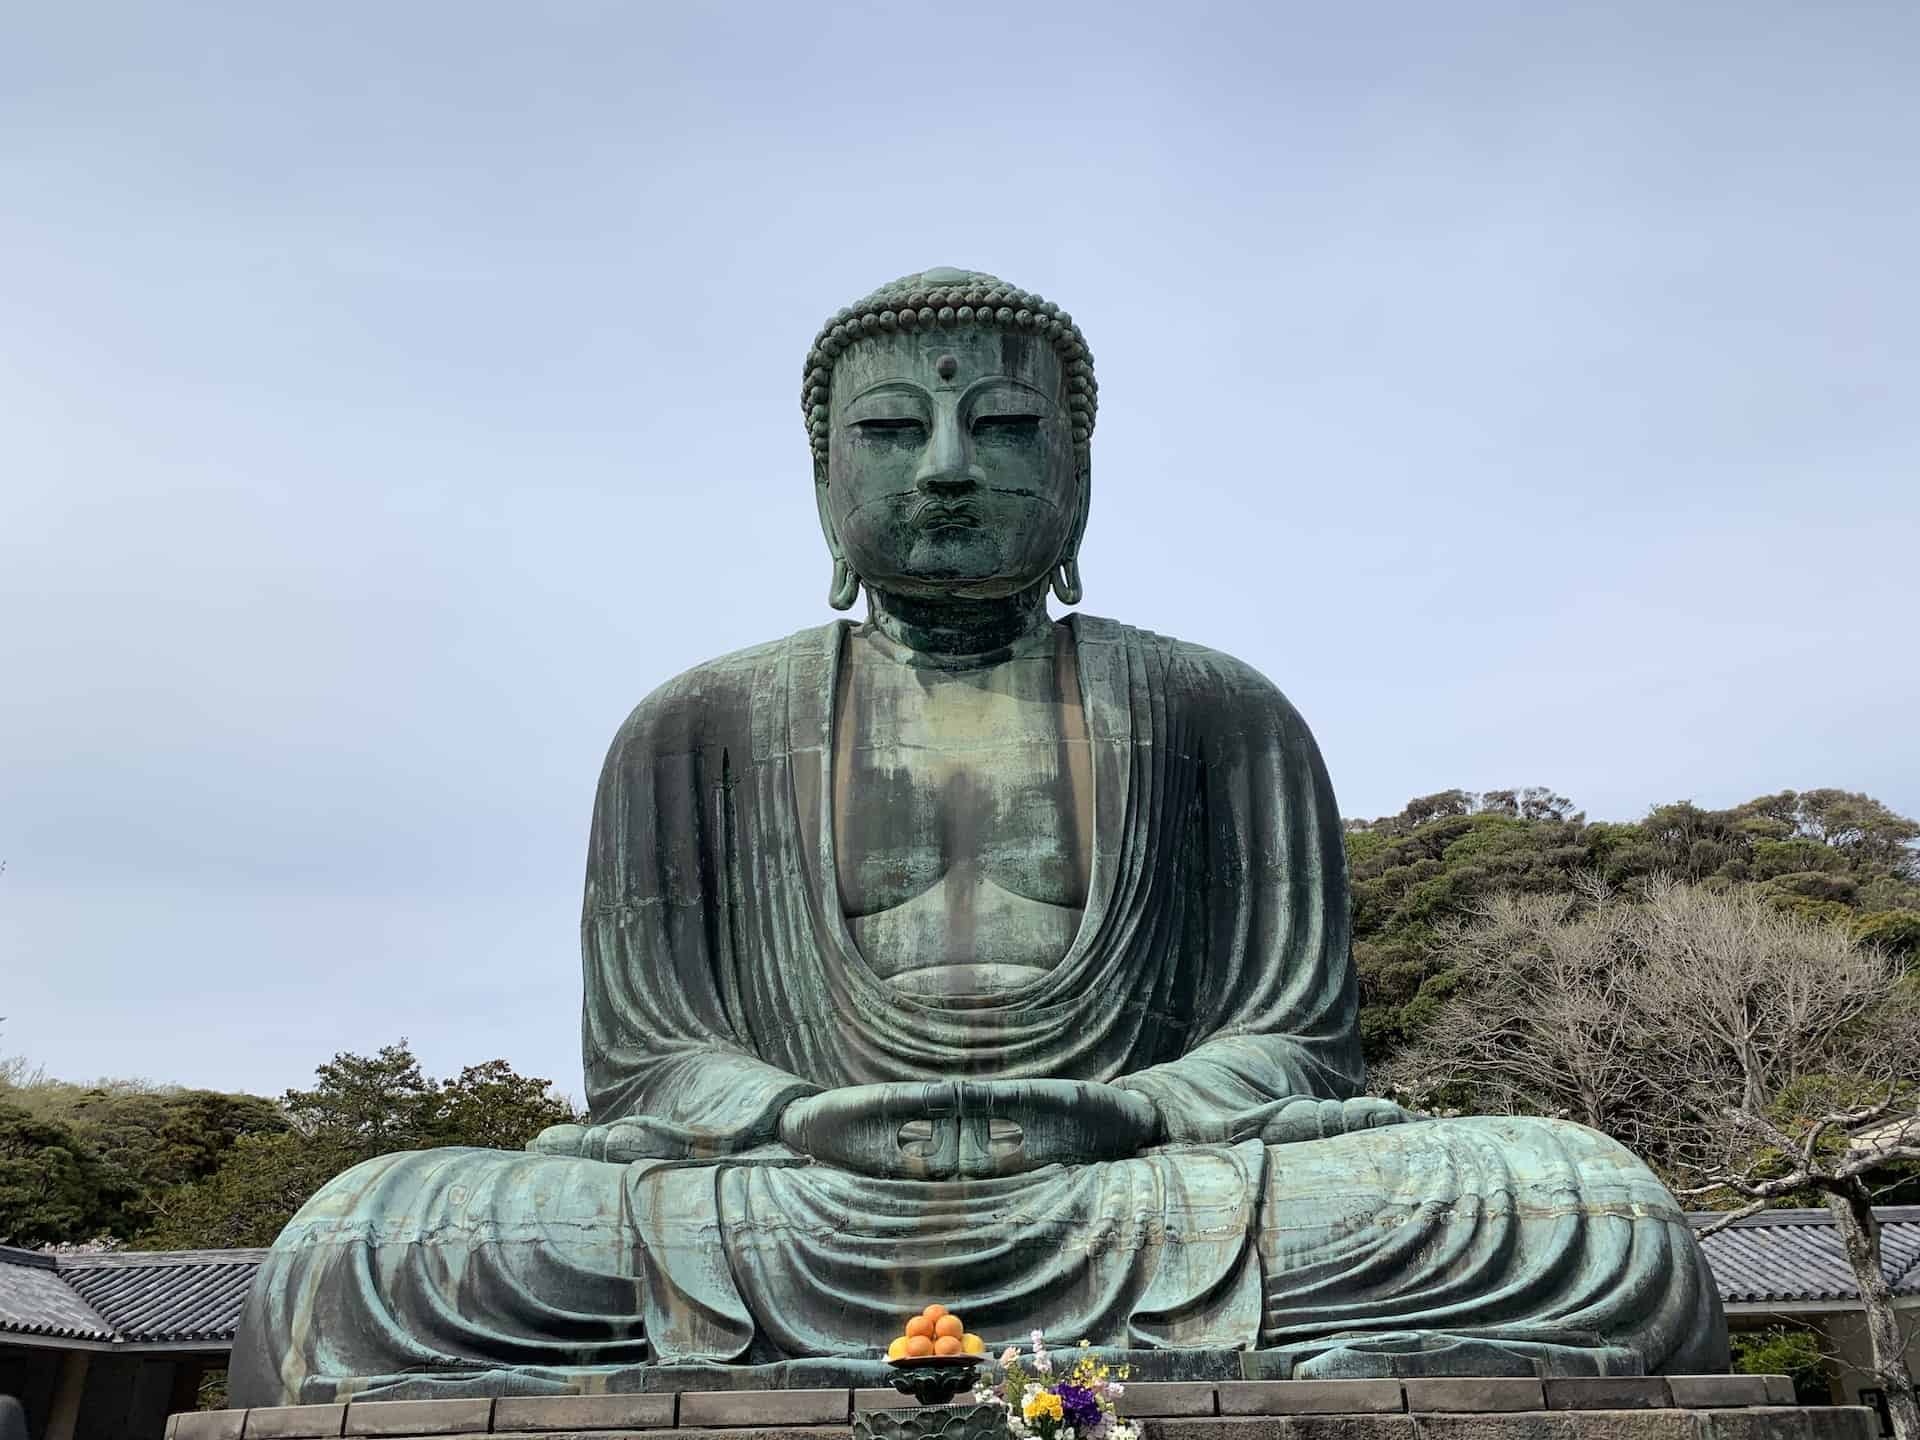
{"type": "Point", "coordinates": [962, 816]}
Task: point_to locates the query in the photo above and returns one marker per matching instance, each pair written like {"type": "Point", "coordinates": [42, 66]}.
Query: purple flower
{"type": "Point", "coordinates": [1079, 1408]}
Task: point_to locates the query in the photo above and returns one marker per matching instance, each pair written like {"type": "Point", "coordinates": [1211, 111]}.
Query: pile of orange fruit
{"type": "Point", "coordinates": [936, 1330]}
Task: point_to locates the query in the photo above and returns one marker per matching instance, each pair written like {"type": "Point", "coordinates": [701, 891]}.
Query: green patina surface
{"type": "Point", "coordinates": [967, 953]}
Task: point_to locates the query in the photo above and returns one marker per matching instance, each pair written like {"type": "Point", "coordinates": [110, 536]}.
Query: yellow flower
{"type": "Point", "coordinates": [1034, 1406]}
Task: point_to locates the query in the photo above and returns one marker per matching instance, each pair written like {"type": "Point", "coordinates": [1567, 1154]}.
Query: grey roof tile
{"type": "Point", "coordinates": [1787, 1256]}
{"type": "Point", "coordinates": [34, 1300]}
{"type": "Point", "coordinates": [166, 1295]}
{"type": "Point", "coordinates": [130, 1296]}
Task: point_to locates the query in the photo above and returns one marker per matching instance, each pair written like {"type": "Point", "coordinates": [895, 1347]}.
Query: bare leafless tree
{"type": "Point", "coordinates": [1755, 1055]}
{"type": "Point", "coordinates": [1538, 1029]}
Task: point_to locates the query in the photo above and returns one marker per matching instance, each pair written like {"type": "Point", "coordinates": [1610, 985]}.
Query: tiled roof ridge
{"type": "Point", "coordinates": [1764, 1219]}
{"type": "Point", "coordinates": [1796, 1256]}
{"type": "Point", "coordinates": [128, 1259]}
{"type": "Point", "coordinates": [68, 1314]}
{"type": "Point", "coordinates": [128, 1296]}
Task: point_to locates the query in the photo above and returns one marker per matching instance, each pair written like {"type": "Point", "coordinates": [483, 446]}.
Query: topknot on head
{"type": "Point", "coordinates": [942, 298]}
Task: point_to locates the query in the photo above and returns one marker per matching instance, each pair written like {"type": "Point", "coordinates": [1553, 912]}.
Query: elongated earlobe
{"type": "Point", "coordinates": [1066, 581]}
{"type": "Point", "coordinates": [846, 586]}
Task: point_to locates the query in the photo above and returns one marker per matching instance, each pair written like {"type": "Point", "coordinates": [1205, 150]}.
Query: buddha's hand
{"type": "Point", "coordinates": [560, 1140]}
{"type": "Point", "coordinates": [963, 1129]}
{"type": "Point", "coordinates": [1304, 1118]}
{"type": "Point", "coordinates": [618, 1141]}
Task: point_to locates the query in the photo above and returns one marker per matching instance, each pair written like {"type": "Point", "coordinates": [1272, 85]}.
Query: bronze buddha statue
{"type": "Point", "coordinates": [973, 954]}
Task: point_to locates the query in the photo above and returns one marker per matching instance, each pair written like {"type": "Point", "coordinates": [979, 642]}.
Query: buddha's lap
{"type": "Point", "coordinates": [580, 1212]}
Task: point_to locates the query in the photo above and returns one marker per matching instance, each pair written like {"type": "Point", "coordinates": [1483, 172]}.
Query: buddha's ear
{"type": "Point", "coordinates": [1066, 570]}
{"type": "Point", "coordinates": [845, 588]}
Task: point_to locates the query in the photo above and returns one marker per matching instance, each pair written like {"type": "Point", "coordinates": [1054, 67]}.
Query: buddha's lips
{"type": "Point", "coordinates": [944, 514]}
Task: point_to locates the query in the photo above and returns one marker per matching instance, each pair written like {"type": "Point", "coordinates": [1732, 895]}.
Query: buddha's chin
{"type": "Point", "coordinates": [953, 555]}
{"type": "Point", "coordinates": [966, 565]}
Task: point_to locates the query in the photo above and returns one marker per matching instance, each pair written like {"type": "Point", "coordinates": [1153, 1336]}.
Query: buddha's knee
{"type": "Point", "coordinates": [478, 1195]}
{"type": "Point", "coordinates": [1560, 1153]}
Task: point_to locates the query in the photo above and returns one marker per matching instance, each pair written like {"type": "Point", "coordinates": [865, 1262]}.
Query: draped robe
{"type": "Point", "coordinates": [1211, 972]}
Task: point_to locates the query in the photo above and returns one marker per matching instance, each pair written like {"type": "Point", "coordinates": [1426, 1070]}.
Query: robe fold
{"type": "Point", "coordinates": [1211, 972]}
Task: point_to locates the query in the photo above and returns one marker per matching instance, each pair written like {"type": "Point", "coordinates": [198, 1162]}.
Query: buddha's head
{"type": "Point", "coordinates": [950, 416]}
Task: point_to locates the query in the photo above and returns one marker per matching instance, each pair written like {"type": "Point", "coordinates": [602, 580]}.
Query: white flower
{"type": "Point", "coordinates": [1008, 1356]}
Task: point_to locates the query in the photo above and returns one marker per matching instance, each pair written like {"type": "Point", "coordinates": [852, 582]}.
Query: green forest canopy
{"type": "Point", "coordinates": [156, 1167]}
{"type": "Point", "coordinates": [1829, 855]}
{"type": "Point", "coordinates": [170, 1169]}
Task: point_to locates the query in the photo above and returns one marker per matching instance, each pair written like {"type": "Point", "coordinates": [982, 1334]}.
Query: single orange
{"type": "Point", "coordinates": [947, 1345]}
{"type": "Point", "coordinates": [897, 1348]}
{"type": "Point", "coordinates": [948, 1325]}
{"type": "Point", "coordinates": [971, 1344]}
{"type": "Point", "coordinates": [934, 1312]}
{"type": "Point", "coordinates": [920, 1325]}
{"type": "Point", "coordinates": [918, 1345]}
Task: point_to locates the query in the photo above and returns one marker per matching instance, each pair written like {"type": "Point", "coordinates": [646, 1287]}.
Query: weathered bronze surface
{"type": "Point", "coordinates": [937, 1381]}
{"type": "Point", "coordinates": [968, 954]}
{"type": "Point", "coordinates": [935, 1420]}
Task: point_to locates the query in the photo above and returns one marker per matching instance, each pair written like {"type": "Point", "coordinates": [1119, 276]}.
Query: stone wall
{"type": "Point", "coordinates": [1680, 1407]}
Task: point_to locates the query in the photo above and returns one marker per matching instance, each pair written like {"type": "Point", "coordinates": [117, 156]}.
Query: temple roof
{"type": "Point", "coordinates": [134, 1298]}
{"type": "Point", "coordinates": [1795, 1256]}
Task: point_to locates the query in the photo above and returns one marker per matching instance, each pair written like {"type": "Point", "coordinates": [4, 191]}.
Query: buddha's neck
{"type": "Point", "coordinates": [953, 632]}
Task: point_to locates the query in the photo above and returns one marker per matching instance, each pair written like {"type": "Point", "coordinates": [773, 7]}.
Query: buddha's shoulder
{"type": "Point", "coordinates": [1205, 685]}
{"type": "Point", "coordinates": [701, 703]}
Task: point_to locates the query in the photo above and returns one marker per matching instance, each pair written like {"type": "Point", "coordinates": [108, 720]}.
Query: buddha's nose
{"type": "Point", "coordinates": [947, 466]}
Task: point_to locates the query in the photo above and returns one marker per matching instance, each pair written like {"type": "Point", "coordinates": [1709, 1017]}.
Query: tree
{"type": "Point", "coordinates": [249, 1199]}
{"type": "Point", "coordinates": [1799, 1051]}
{"type": "Point", "coordinates": [51, 1189]}
{"type": "Point", "coordinates": [1895, 931]}
{"type": "Point", "coordinates": [1789, 1350]}
{"type": "Point", "coordinates": [1539, 1030]}
{"type": "Point", "coordinates": [374, 1103]}
{"type": "Point", "coordinates": [17, 1071]}
{"type": "Point", "coordinates": [1827, 855]}
{"type": "Point", "coordinates": [491, 1106]}
{"type": "Point", "coordinates": [380, 1103]}
{"type": "Point", "coordinates": [148, 1142]}
{"type": "Point", "coordinates": [360, 1106]}
{"type": "Point", "coordinates": [1757, 1056]}
{"type": "Point", "coordinates": [143, 1139]}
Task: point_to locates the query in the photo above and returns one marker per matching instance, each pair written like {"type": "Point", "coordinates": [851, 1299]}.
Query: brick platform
{"type": "Point", "coordinates": [1680, 1407]}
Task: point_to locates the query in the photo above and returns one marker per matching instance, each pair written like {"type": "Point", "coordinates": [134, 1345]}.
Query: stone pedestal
{"type": "Point", "coordinates": [932, 1422]}
{"type": "Point", "coordinates": [1679, 1407]}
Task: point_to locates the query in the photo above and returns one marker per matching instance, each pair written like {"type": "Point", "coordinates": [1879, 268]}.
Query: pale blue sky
{"type": "Point", "coordinates": [391, 395]}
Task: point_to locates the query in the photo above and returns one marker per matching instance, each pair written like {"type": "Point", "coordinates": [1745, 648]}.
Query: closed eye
{"type": "Point", "coordinates": [897, 430]}
{"type": "Point", "coordinates": [1005, 429]}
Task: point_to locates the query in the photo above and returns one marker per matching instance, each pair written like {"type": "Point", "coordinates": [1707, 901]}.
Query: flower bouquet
{"type": "Point", "coordinates": [1073, 1402]}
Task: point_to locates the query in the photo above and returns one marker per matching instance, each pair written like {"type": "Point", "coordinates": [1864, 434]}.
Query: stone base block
{"type": "Point", "coordinates": [931, 1422]}
{"type": "Point", "coordinates": [1721, 1407]}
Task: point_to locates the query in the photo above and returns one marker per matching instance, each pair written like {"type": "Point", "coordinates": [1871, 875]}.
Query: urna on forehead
{"type": "Point", "coordinates": [950, 360]}
{"type": "Point", "coordinates": [947, 300]}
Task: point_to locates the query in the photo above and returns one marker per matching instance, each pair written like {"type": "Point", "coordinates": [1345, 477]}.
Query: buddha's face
{"type": "Point", "coordinates": [950, 462]}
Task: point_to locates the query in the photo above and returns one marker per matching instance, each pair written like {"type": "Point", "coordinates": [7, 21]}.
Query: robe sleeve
{"type": "Point", "coordinates": [661, 1048]}
{"type": "Point", "coordinates": [1278, 1017]}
